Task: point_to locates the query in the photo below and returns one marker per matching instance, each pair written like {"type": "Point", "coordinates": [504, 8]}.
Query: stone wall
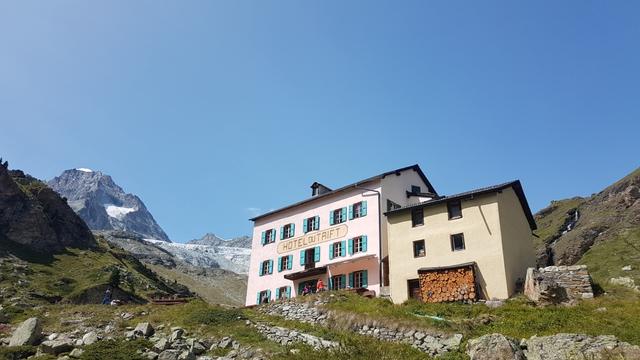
{"type": "Point", "coordinates": [440, 285]}
{"type": "Point", "coordinates": [558, 284]}
{"type": "Point", "coordinates": [287, 337]}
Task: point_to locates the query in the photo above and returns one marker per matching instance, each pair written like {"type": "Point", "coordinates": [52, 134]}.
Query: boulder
{"type": "Point", "coordinates": [169, 355]}
{"type": "Point", "coordinates": [90, 338]}
{"type": "Point", "coordinates": [27, 333]}
{"type": "Point", "coordinates": [76, 353]}
{"type": "Point", "coordinates": [494, 347]}
{"type": "Point", "coordinates": [579, 346]}
{"type": "Point", "coordinates": [145, 328]}
{"type": "Point", "coordinates": [58, 346]}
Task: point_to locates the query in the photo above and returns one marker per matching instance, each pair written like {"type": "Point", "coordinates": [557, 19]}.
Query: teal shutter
{"type": "Point", "coordinates": [364, 278]}
{"type": "Point", "coordinates": [304, 226]}
{"type": "Point", "coordinates": [260, 269]}
{"type": "Point", "coordinates": [258, 298]}
{"type": "Point", "coordinates": [292, 231]}
{"type": "Point", "coordinates": [264, 237]}
{"type": "Point", "coordinates": [290, 262]}
{"type": "Point", "coordinates": [281, 232]}
{"type": "Point", "coordinates": [279, 264]}
{"type": "Point", "coordinates": [331, 219]}
{"type": "Point", "coordinates": [288, 292]}
{"type": "Point", "coordinates": [277, 293]}
{"type": "Point", "coordinates": [343, 248]}
{"type": "Point", "coordinates": [350, 212]}
{"type": "Point", "coordinates": [269, 295]}
{"type": "Point", "coordinates": [330, 283]}
{"type": "Point", "coordinates": [273, 235]}
{"type": "Point", "coordinates": [331, 251]}
{"type": "Point", "coordinates": [350, 246]}
{"type": "Point", "coordinates": [364, 243]}
{"type": "Point", "coordinates": [363, 209]}
{"type": "Point", "coordinates": [344, 281]}
{"type": "Point", "coordinates": [351, 280]}
{"type": "Point", "coordinates": [270, 266]}
{"type": "Point", "coordinates": [344, 214]}
{"type": "Point", "coordinates": [317, 224]}
{"type": "Point", "coordinates": [316, 254]}
{"type": "Point", "coordinates": [302, 262]}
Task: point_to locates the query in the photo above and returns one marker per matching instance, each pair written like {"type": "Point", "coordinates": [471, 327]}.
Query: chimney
{"type": "Point", "coordinates": [319, 189]}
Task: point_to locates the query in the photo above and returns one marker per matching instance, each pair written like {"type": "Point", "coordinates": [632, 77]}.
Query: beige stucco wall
{"type": "Point", "coordinates": [517, 240]}
{"type": "Point", "coordinates": [481, 227]}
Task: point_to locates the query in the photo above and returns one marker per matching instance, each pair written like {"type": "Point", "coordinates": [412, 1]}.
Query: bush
{"type": "Point", "coordinates": [115, 350]}
{"type": "Point", "coordinates": [16, 352]}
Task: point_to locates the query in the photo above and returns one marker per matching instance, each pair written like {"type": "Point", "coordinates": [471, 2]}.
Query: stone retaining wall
{"type": "Point", "coordinates": [557, 284]}
{"type": "Point", "coordinates": [286, 337]}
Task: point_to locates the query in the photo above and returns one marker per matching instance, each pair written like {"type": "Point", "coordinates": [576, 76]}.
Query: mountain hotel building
{"type": "Point", "coordinates": [387, 234]}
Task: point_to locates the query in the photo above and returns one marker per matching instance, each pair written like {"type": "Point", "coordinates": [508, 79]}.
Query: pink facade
{"type": "Point", "coordinates": [349, 251]}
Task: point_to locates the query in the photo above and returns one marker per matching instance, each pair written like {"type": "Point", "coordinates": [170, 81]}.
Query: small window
{"type": "Point", "coordinates": [269, 236]}
{"type": "Point", "coordinates": [455, 209]}
{"type": "Point", "coordinates": [358, 244]}
{"type": "Point", "coordinates": [392, 206]}
{"type": "Point", "coordinates": [415, 189]}
{"type": "Point", "coordinates": [457, 242]}
{"type": "Point", "coordinates": [358, 210]}
{"type": "Point", "coordinates": [311, 224]}
{"type": "Point", "coordinates": [265, 267]}
{"type": "Point", "coordinates": [284, 263]}
{"type": "Point", "coordinates": [337, 249]}
{"type": "Point", "coordinates": [417, 217]}
{"type": "Point", "coordinates": [264, 297]}
{"type": "Point", "coordinates": [359, 279]}
{"type": "Point", "coordinates": [338, 282]}
{"type": "Point", "coordinates": [419, 249]}
{"type": "Point", "coordinates": [339, 216]}
{"type": "Point", "coordinates": [287, 231]}
{"type": "Point", "coordinates": [283, 292]}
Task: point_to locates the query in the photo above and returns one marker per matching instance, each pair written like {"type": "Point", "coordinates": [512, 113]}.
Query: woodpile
{"type": "Point", "coordinates": [451, 284]}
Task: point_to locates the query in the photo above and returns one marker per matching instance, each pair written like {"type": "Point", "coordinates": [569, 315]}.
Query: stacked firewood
{"type": "Point", "coordinates": [448, 285]}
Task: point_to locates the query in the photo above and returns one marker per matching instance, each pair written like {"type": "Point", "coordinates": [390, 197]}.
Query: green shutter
{"type": "Point", "coordinates": [304, 226]}
{"type": "Point", "coordinates": [331, 219]}
{"type": "Point", "coordinates": [260, 268]}
{"type": "Point", "coordinates": [281, 232]}
{"type": "Point", "coordinates": [363, 210]}
{"type": "Point", "coordinates": [344, 281]}
{"type": "Point", "coordinates": [264, 237]}
{"type": "Point", "coordinates": [316, 226]}
{"type": "Point", "coordinates": [364, 243]}
{"type": "Point", "coordinates": [258, 298]}
{"type": "Point", "coordinates": [350, 246]}
{"type": "Point", "coordinates": [269, 295]}
{"type": "Point", "coordinates": [364, 278]}
{"type": "Point", "coordinates": [277, 293]}
{"type": "Point", "coordinates": [290, 262]}
{"type": "Point", "coordinates": [344, 214]}
{"type": "Point", "coordinates": [279, 264]}
{"type": "Point", "coordinates": [331, 251]}
{"type": "Point", "coordinates": [316, 254]}
{"type": "Point", "coordinates": [351, 280]}
{"type": "Point", "coordinates": [292, 230]}
{"type": "Point", "coordinates": [302, 261]}
{"type": "Point", "coordinates": [330, 283]}
{"type": "Point", "coordinates": [288, 292]}
{"type": "Point", "coordinates": [270, 266]}
{"type": "Point", "coordinates": [343, 248]}
{"type": "Point", "coordinates": [273, 235]}
{"type": "Point", "coordinates": [350, 212]}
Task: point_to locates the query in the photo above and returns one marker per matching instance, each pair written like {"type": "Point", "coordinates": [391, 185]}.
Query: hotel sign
{"type": "Point", "coordinates": [312, 238]}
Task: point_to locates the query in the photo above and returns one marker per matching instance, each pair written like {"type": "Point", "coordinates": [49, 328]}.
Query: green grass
{"type": "Point", "coordinates": [606, 259]}
{"type": "Point", "coordinates": [517, 318]}
{"type": "Point", "coordinates": [115, 350]}
{"type": "Point", "coordinates": [550, 223]}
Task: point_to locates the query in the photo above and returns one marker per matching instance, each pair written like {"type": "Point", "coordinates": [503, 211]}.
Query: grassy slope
{"type": "Point", "coordinates": [606, 259]}
{"type": "Point", "coordinates": [549, 224]}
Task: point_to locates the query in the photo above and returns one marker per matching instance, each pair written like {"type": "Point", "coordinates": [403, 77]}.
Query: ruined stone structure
{"type": "Point", "coordinates": [454, 283]}
{"type": "Point", "coordinates": [558, 284]}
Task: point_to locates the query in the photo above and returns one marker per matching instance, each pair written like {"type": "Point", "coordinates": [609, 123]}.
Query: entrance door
{"type": "Point", "coordinates": [414, 289]}
{"type": "Point", "coordinates": [309, 259]}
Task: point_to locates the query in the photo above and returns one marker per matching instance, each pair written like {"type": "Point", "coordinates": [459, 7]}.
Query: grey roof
{"type": "Point", "coordinates": [380, 176]}
{"type": "Point", "coordinates": [446, 267]}
{"type": "Point", "coordinates": [516, 185]}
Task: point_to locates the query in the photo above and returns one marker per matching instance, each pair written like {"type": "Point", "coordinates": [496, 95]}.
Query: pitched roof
{"type": "Point", "coordinates": [415, 167]}
{"type": "Point", "coordinates": [516, 185]}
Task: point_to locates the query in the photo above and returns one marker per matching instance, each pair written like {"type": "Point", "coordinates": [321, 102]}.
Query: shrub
{"type": "Point", "coordinates": [16, 352]}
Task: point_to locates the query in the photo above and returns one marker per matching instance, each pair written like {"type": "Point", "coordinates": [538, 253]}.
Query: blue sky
{"type": "Point", "coordinates": [211, 111]}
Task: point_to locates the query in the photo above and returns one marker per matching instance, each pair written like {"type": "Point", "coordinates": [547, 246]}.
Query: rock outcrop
{"type": "Point", "coordinates": [494, 347]}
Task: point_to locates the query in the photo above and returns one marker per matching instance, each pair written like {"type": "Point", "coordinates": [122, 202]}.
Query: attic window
{"type": "Point", "coordinates": [455, 209]}
{"type": "Point", "coordinates": [415, 189]}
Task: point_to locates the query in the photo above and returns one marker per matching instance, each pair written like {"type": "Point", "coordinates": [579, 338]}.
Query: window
{"type": "Point", "coordinates": [457, 242]}
{"type": "Point", "coordinates": [419, 249]}
{"type": "Point", "coordinates": [455, 209]}
{"type": "Point", "coordinates": [337, 249]}
{"type": "Point", "coordinates": [283, 292]}
{"type": "Point", "coordinates": [285, 263]}
{"type": "Point", "coordinates": [417, 217]}
{"type": "Point", "coordinates": [311, 224]}
{"type": "Point", "coordinates": [359, 244]}
{"type": "Point", "coordinates": [266, 267]}
{"type": "Point", "coordinates": [338, 216]}
{"type": "Point", "coordinates": [287, 231]}
{"type": "Point", "coordinates": [268, 236]}
{"type": "Point", "coordinates": [392, 206]}
{"type": "Point", "coordinates": [264, 296]}
{"type": "Point", "coordinates": [360, 279]}
{"type": "Point", "coordinates": [358, 210]}
{"type": "Point", "coordinates": [337, 282]}
{"type": "Point", "coordinates": [415, 189]}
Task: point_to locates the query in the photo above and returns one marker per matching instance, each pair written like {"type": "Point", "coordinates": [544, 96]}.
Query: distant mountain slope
{"type": "Point", "coordinates": [602, 231]}
{"type": "Point", "coordinates": [213, 240]}
{"type": "Point", "coordinates": [104, 205]}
